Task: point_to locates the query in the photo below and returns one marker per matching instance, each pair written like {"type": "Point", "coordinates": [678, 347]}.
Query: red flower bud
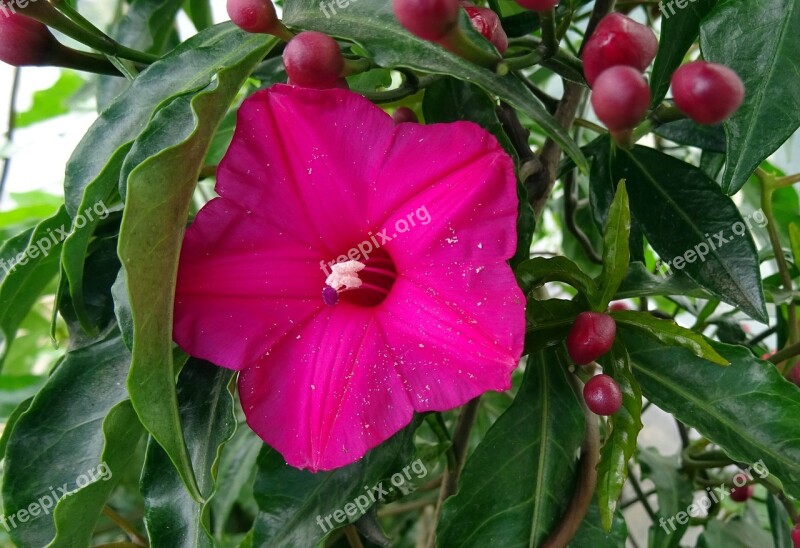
{"type": "Point", "coordinates": [25, 42]}
{"type": "Point", "coordinates": [253, 15]}
{"type": "Point", "coordinates": [488, 24]}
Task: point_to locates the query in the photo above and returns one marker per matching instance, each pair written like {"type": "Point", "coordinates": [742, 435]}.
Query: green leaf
{"type": "Point", "coordinates": [51, 102]}
{"type": "Point", "coordinates": [591, 531]}
{"type": "Point", "coordinates": [371, 24]}
{"type": "Point", "coordinates": [518, 481]}
{"type": "Point", "coordinates": [675, 493]}
{"type": "Point", "coordinates": [671, 201]}
{"type": "Point", "coordinates": [237, 469]}
{"type": "Point", "coordinates": [735, 533]}
{"type": "Point", "coordinates": [639, 282]}
{"type": "Point", "coordinates": [76, 514]}
{"type": "Point", "coordinates": [450, 100]}
{"type": "Point", "coordinates": [10, 422]}
{"type": "Point", "coordinates": [172, 148]}
{"type": "Point", "coordinates": [669, 333]}
{"type": "Point", "coordinates": [748, 408]}
{"type": "Point", "coordinates": [297, 507]}
{"type": "Point", "coordinates": [66, 436]}
{"type": "Point", "coordinates": [780, 524]}
{"type": "Point", "coordinates": [145, 26]}
{"type": "Point", "coordinates": [94, 171]}
{"type": "Point", "coordinates": [794, 240]}
{"type": "Point", "coordinates": [616, 252]}
{"type": "Point", "coordinates": [28, 263]}
{"type": "Point", "coordinates": [536, 272]}
{"type": "Point", "coordinates": [206, 406]}
{"type": "Point", "coordinates": [548, 322]}
{"type": "Point", "coordinates": [679, 29]}
{"type": "Point", "coordinates": [200, 12]}
{"type": "Point", "coordinates": [765, 52]}
{"type": "Point", "coordinates": [689, 133]}
{"type": "Point", "coordinates": [623, 430]}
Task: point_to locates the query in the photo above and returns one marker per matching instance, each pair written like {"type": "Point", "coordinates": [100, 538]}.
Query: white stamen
{"type": "Point", "coordinates": [345, 275]}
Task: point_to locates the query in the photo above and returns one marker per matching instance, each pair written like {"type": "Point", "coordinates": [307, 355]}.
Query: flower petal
{"type": "Point", "coordinates": [456, 337]}
{"type": "Point", "coordinates": [454, 187]}
{"type": "Point", "coordinates": [243, 283]}
{"type": "Point", "coordinates": [326, 396]}
{"type": "Point", "coordinates": [307, 160]}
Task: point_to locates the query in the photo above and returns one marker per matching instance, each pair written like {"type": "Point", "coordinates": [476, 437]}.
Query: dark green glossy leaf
{"type": "Point", "coordinates": [675, 493]}
{"type": "Point", "coordinates": [748, 408]}
{"type": "Point", "coordinates": [639, 282]}
{"type": "Point", "coordinates": [591, 533]}
{"type": "Point", "coordinates": [298, 508]}
{"type": "Point", "coordinates": [173, 518]}
{"type": "Point", "coordinates": [689, 133]}
{"type": "Point", "coordinates": [171, 148]}
{"type": "Point", "coordinates": [371, 24]}
{"type": "Point", "coordinates": [518, 481]}
{"type": "Point", "coordinates": [538, 271]}
{"type": "Point", "coordinates": [759, 40]}
{"type": "Point", "coordinates": [623, 430]}
{"type": "Point", "coordinates": [616, 252]}
{"type": "Point", "coordinates": [28, 264]}
{"type": "Point", "coordinates": [679, 29]}
{"type": "Point", "coordinates": [671, 201]}
{"type": "Point", "coordinates": [548, 322]}
{"type": "Point", "coordinates": [669, 333]}
{"type": "Point", "coordinates": [76, 514]}
{"type": "Point", "coordinates": [66, 435]}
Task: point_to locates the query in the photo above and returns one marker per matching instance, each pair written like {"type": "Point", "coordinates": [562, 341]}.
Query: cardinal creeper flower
{"type": "Point", "coordinates": [428, 319]}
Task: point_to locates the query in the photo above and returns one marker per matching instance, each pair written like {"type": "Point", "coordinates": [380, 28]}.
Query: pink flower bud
{"type": "Point", "coordinates": [24, 41]}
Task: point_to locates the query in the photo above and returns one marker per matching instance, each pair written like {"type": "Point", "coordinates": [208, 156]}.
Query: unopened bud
{"type": "Point", "coordinates": [25, 42]}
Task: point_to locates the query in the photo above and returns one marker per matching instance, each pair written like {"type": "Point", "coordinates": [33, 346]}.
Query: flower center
{"type": "Point", "coordinates": [365, 282]}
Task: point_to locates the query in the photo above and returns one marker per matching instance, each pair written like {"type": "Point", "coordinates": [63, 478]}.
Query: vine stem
{"type": "Point", "coordinates": [461, 433]}
{"type": "Point", "coordinates": [129, 530]}
{"type": "Point", "coordinates": [767, 190]}
{"type": "Point", "coordinates": [12, 124]}
{"type": "Point", "coordinates": [353, 538]}
{"type": "Point", "coordinates": [541, 184]}
{"type": "Point", "coordinates": [585, 486]}
{"type": "Point", "coordinates": [789, 180]}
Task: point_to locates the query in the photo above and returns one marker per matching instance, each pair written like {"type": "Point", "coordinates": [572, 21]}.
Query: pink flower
{"type": "Point", "coordinates": [419, 222]}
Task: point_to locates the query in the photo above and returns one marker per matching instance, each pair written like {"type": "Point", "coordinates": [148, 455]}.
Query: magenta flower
{"type": "Point", "coordinates": [353, 271]}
